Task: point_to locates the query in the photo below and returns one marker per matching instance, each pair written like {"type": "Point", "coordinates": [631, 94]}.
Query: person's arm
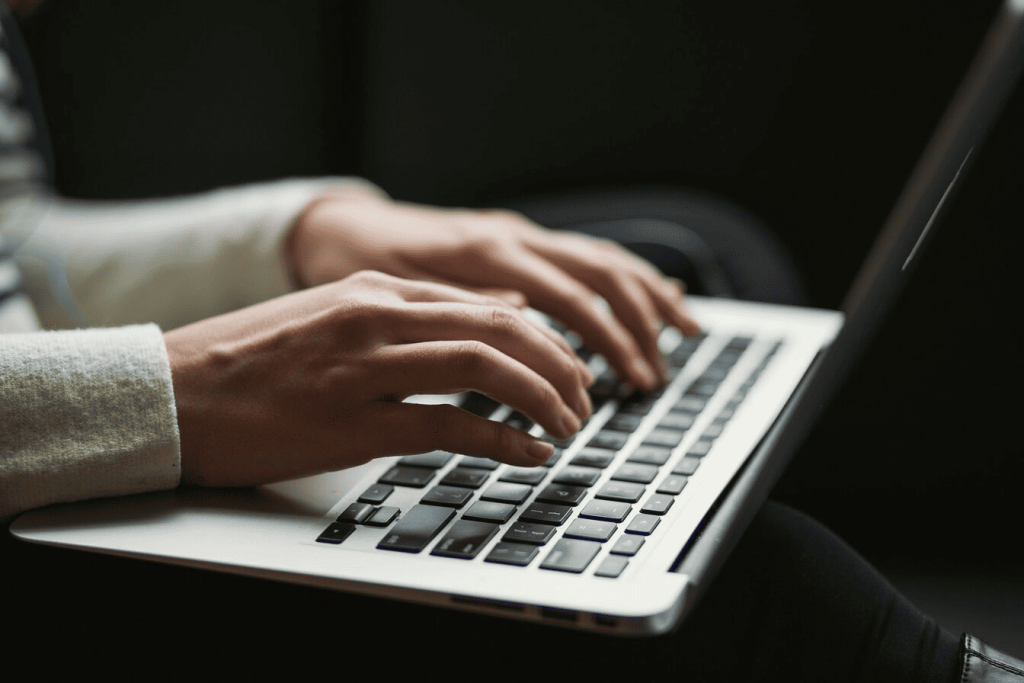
{"type": "Point", "coordinates": [84, 414]}
{"type": "Point", "coordinates": [168, 261]}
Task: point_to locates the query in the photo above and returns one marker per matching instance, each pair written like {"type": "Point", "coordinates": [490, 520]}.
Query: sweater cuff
{"type": "Point", "coordinates": [85, 414]}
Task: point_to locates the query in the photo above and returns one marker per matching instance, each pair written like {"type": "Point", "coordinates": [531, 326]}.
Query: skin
{"type": "Point", "coordinates": [399, 300]}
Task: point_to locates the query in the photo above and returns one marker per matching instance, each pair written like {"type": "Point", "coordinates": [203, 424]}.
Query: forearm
{"type": "Point", "coordinates": [169, 261]}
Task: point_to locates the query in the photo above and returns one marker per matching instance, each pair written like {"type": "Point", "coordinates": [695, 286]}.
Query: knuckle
{"type": "Point", "coordinates": [471, 356]}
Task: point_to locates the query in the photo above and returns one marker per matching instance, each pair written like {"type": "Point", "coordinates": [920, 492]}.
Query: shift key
{"type": "Point", "coordinates": [417, 528]}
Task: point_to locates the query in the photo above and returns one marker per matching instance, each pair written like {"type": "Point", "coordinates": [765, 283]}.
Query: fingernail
{"type": "Point", "coordinates": [539, 450]}
{"type": "Point", "coordinates": [645, 374]}
{"type": "Point", "coordinates": [583, 405]}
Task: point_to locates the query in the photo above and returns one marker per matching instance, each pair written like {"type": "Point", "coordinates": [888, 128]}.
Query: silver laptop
{"type": "Point", "coordinates": [626, 524]}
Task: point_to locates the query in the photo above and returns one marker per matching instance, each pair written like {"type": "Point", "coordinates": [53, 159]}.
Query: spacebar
{"type": "Point", "coordinates": [417, 528]}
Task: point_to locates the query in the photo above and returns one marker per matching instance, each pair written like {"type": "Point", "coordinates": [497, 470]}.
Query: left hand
{"type": "Point", "coordinates": [504, 254]}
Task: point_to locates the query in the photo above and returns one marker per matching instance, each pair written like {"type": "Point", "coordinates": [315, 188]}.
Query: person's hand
{"type": "Point", "coordinates": [497, 251]}
{"type": "Point", "coordinates": [314, 381]}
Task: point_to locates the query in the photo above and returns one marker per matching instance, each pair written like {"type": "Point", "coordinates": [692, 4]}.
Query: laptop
{"type": "Point", "coordinates": [620, 532]}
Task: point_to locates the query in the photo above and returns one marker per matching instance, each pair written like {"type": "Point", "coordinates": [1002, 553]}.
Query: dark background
{"type": "Point", "coordinates": [810, 115]}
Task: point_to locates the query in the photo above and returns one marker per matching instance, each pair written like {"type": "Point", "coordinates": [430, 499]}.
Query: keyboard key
{"type": "Point", "coordinates": [687, 466]}
{"type": "Point", "coordinates": [417, 528]}
{"type": "Point", "coordinates": [651, 455]}
{"type": "Point", "coordinates": [643, 525]}
{"type": "Point", "coordinates": [487, 511]}
{"type": "Point", "coordinates": [546, 513]}
{"type": "Point", "coordinates": [669, 438]}
{"type": "Point", "coordinates": [466, 477]}
{"type": "Point", "coordinates": [578, 476]}
{"type": "Point", "coordinates": [624, 491]}
{"type": "Point", "coordinates": [356, 513]}
{"type": "Point", "coordinates": [519, 421]}
{"type": "Point", "coordinates": [376, 494]}
{"type": "Point", "coordinates": [562, 494]}
{"type": "Point", "coordinates": [336, 533]}
{"type": "Point", "coordinates": [504, 492]}
{"type": "Point", "coordinates": [571, 555]}
{"type": "Point", "coordinates": [607, 510]}
{"type": "Point", "coordinates": [609, 440]}
{"type": "Point", "coordinates": [414, 477]}
{"type": "Point", "coordinates": [628, 544]}
{"type": "Point", "coordinates": [451, 496]}
{"type": "Point", "coordinates": [434, 460]}
{"type": "Point", "coordinates": [624, 422]}
{"type": "Point", "coordinates": [524, 475]}
{"type": "Point", "coordinates": [689, 404]}
{"type": "Point", "coordinates": [593, 457]}
{"type": "Point", "coordinates": [525, 532]}
{"type": "Point", "coordinates": [636, 472]}
{"type": "Point", "coordinates": [590, 529]}
{"type": "Point", "coordinates": [518, 554]}
{"type": "Point", "coordinates": [701, 448]}
{"type": "Point", "coordinates": [479, 405]}
{"type": "Point", "coordinates": [658, 504]}
{"type": "Point", "coordinates": [465, 539]}
{"type": "Point", "coordinates": [673, 484]}
{"type": "Point", "coordinates": [478, 463]}
{"type": "Point", "coordinates": [611, 567]}
{"type": "Point", "coordinates": [679, 421]}
{"type": "Point", "coordinates": [382, 516]}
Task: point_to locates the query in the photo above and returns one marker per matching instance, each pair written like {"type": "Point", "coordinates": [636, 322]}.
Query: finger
{"type": "Point", "coordinates": [412, 428]}
{"type": "Point", "coordinates": [446, 367]}
{"type": "Point", "coordinates": [556, 292]}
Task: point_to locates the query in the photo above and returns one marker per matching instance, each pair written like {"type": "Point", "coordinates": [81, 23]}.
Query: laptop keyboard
{"type": "Point", "coordinates": [567, 510]}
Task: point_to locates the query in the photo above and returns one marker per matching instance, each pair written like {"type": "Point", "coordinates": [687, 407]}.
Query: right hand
{"type": "Point", "coordinates": [314, 381]}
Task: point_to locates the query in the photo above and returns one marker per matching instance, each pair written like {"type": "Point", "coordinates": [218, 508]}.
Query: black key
{"type": "Point", "coordinates": [336, 533]}
{"type": "Point", "coordinates": [382, 516]}
{"type": "Point", "coordinates": [713, 431]}
{"type": "Point", "coordinates": [689, 404]}
{"type": "Point", "coordinates": [687, 466]}
{"type": "Point", "coordinates": [593, 457]}
{"type": "Point", "coordinates": [650, 455]}
{"type": "Point", "coordinates": [702, 388]}
{"type": "Point", "coordinates": [680, 421]}
{"type": "Point", "coordinates": [658, 504]}
{"type": "Point", "coordinates": [451, 496]}
{"type": "Point", "coordinates": [608, 510]}
{"type": "Point", "coordinates": [610, 440]}
{"type": "Point", "coordinates": [376, 494]}
{"type": "Point", "coordinates": [546, 513]}
{"type": "Point", "coordinates": [466, 477]}
{"type": "Point", "coordinates": [433, 460]}
{"type": "Point", "coordinates": [628, 544]}
{"type": "Point", "coordinates": [524, 475]}
{"type": "Point", "coordinates": [611, 566]}
{"type": "Point", "coordinates": [571, 555]}
{"type": "Point", "coordinates": [518, 554]}
{"type": "Point", "coordinates": [643, 525]}
{"type": "Point", "coordinates": [555, 457]}
{"type": "Point", "coordinates": [624, 491]}
{"type": "Point", "coordinates": [673, 484]}
{"type": "Point", "coordinates": [700, 449]}
{"type": "Point", "coordinates": [669, 438]}
{"type": "Point", "coordinates": [519, 421]}
{"type": "Point", "coordinates": [636, 472]}
{"type": "Point", "coordinates": [525, 532]}
{"type": "Point", "coordinates": [486, 511]}
{"type": "Point", "coordinates": [356, 513]}
{"type": "Point", "coordinates": [562, 494]}
{"type": "Point", "coordinates": [578, 476]}
{"type": "Point", "coordinates": [624, 422]}
{"type": "Point", "coordinates": [478, 463]}
{"type": "Point", "coordinates": [504, 492]}
{"type": "Point", "coordinates": [478, 404]}
{"type": "Point", "coordinates": [465, 539]}
{"type": "Point", "coordinates": [417, 528]}
{"type": "Point", "coordinates": [590, 529]}
{"type": "Point", "coordinates": [415, 477]}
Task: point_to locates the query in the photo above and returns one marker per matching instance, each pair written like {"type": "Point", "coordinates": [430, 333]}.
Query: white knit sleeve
{"type": "Point", "coordinates": [170, 261]}
{"type": "Point", "coordinates": [84, 414]}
